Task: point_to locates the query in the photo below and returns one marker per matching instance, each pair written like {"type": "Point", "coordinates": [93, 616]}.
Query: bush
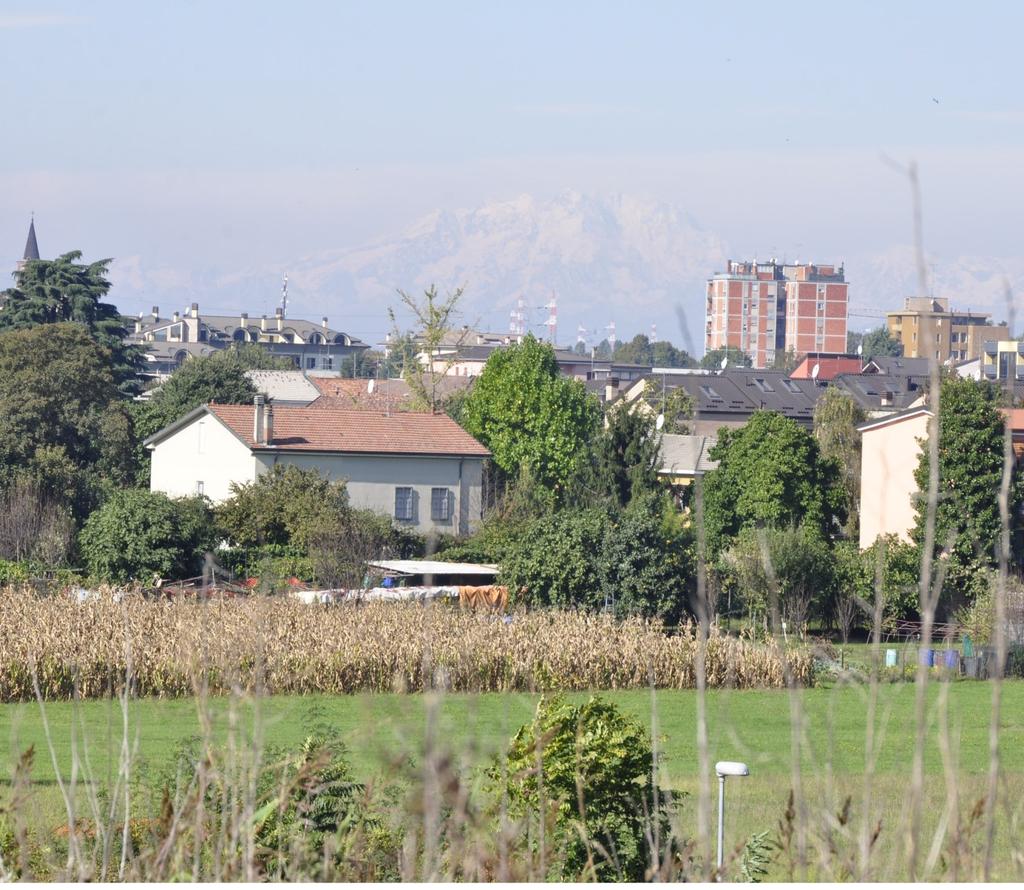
{"type": "Point", "coordinates": [137, 535]}
{"type": "Point", "coordinates": [591, 751]}
{"type": "Point", "coordinates": [554, 561]}
{"type": "Point", "coordinates": [284, 506]}
{"type": "Point", "coordinates": [799, 571]}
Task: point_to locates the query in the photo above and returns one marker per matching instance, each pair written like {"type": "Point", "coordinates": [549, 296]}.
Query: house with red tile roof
{"type": "Point", "coordinates": [423, 470]}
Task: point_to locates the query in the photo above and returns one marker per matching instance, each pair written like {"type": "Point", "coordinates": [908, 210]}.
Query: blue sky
{"type": "Point", "coordinates": [232, 133]}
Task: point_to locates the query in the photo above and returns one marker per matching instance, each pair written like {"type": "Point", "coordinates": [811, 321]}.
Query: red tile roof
{"type": "Point", "coordinates": [361, 432]}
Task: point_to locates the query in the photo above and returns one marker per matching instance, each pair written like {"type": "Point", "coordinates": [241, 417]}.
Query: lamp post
{"type": "Point", "coordinates": [722, 769]}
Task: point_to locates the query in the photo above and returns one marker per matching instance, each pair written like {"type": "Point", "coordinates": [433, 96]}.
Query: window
{"type": "Point", "coordinates": [763, 384]}
{"type": "Point", "coordinates": [791, 386]}
{"type": "Point", "coordinates": [403, 503]}
{"type": "Point", "coordinates": [327, 363]}
{"type": "Point", "coordinates": [440, 504]}
{"type": "Point", "coordinates": [709, 392]}
{"type": "Point", "coordinates": [199, 488]}
{"type": "Point", "coordinates": [310, 361]}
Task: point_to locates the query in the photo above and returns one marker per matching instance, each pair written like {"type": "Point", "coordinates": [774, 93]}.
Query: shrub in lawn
{"type": "Point", "coordinates": [586, 770]}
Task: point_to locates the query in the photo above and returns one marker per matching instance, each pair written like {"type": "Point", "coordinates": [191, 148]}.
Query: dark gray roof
{"type": "Point", "coordinates": [888, 364]}
{"type": "Point", "coordinates": [736, 393]}
{"type": "Point", "coordinates": [31, 246]}
{"type": "Point", "coordinates": [870, 391]}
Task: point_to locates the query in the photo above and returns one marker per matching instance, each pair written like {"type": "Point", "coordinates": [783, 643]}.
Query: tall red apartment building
{"type": "Point", "coordinates": [769, 308]}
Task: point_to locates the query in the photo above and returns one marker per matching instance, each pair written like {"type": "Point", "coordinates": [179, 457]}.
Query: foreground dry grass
{"type": "Point", "coordinates": [277, 645]}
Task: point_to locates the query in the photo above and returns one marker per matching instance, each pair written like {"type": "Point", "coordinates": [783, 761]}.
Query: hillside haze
{"type": "Point", "coordinates": [618, 258]}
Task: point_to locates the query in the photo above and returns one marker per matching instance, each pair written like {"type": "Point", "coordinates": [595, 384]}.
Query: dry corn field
{"type": "Point", "coordinates": [277, 645]}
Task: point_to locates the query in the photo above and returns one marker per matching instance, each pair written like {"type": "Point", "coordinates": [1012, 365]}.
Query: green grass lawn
{"type": "Point", "coordinates": [754, 726]}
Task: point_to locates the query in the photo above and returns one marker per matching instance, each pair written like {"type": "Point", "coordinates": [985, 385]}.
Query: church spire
{"type": "Point", "coordinates": [31, 247]}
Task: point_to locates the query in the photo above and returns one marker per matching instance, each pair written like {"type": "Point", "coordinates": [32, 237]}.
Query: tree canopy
{"type": "Point", "coordinates": [641, 350]}
{"type": "Point", "coordinates": [528, 414]}
{"type": "Point", "coordinates": [836, 417]}
{"type": "Point", "coordinates": [627, 454]}
{"type": "Point", "coordinates": [62, 421]}
{"type": "Point", "coordinates": [63, 290]}
{"type": "Point", "coordinates": [137, 535]}
{"type": "Point", "coordinates": [284, 506]}
{"type": "Point", "coordinates": [971, 431]}
{"type": "Point", "coordinates": [879, 342]}
{"type": "Point", "coordinates": [737, 358]}
{"type": "Point", "coordinates": [771, 472]}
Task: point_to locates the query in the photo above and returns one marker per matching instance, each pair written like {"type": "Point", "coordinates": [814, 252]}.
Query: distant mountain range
{"type": "Point", "coordinates": [607, 258]}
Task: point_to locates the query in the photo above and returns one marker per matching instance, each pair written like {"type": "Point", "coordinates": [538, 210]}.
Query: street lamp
{"type": "Point", "coordinates": [722, 769]}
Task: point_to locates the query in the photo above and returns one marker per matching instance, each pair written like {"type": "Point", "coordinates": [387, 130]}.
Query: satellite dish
{"type": "Point", "coordinates": [860, 349]}
{"type": "Point", "coordinates": [815, 371]}
{"type": "Point", "coordinates": [725, 362]}
{"type": "Point", "coordinates": [369, 386]}
{"type": "Point", "coordinates": [660, 422]}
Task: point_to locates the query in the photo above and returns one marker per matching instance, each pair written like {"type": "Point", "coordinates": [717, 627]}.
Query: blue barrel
{"type": "Point", "coordinates": [890, 658]}
{"type": "Point", "coordinates": [927, 657]}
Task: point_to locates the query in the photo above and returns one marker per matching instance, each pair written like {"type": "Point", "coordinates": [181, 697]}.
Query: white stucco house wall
{"type": "Point", "coordinates": [890, 451]}
{"type": "Point", "coordinates": [423, 470]}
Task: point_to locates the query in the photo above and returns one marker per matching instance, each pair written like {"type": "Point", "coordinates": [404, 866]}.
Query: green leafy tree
{"type": "Point", "coordinates": [791, 569]}
{"type": "Point", "coordinates": [970, 450]}
{"type": "Point", "coordinates": [285, 506]}
{"type": "Point", "coordinates": [648, 561]}
{"type": "Point", "coordinates": [879, 342]}
{"type": "Point", "coordinates": [636, 561]}
{"type": "Point", "coordinates": [771, 472]}
{"type": "Point", "coordinates": [641, 350]}
{"type": "Point", "coordinates": [626, 455]}
{"type": "Point", "coordinates": [528, 414]}
{"type": "Point", "coordinates": [737, 358]}
{"type": "Point", "coordinates": [665, 355]}
{"type": "Point", "coordinates": [62, 422]}
{"type": "Point", "coordinates": [836, 417]}
{"type": "Point", "coordinates": [62, 290]}
{"type": "Point", "coordinates": [895, 566]}
{"type": "Point", "coordinates": [853, 340]}
{"type": "Point", "coordinates": [138, 535]}
{"type": "Point", "coordinates": [555, 560]}
{"type": "Point", "coordinates": [586, 770]}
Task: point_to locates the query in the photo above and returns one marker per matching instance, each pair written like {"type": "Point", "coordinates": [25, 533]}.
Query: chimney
{"type": "Point", "coordinates": [278, 316]}
{"type": "Point", "coordinates": [156, 313]}
{"type": "Point", "coordinates": [263, 322]}
{"type": "Point", "coordinates": [258, 423]}
{"type": "Point", "coordinates": [176, 317]}
{"type": "Point", "coordinates": [194, 310]}
{"type": "Point", "coordinates": [268, 425]}
{"type": "Point", "coordinates": [323, 321]}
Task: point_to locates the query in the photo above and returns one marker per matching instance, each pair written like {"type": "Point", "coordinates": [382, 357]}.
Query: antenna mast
{"type": "Point", "coordinates": [284, 297]}
{"type": "Point", "coordinates": [552, 308]}
{"type": "Point", "coordinates": [612, 339]}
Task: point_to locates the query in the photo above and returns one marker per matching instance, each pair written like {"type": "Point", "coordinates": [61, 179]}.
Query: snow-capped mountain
{"type": "Point", "coordinates": [606, 258]}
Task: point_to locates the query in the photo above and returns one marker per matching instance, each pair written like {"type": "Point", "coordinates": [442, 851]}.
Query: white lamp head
{"type": "Point", "coordinates": [731, 768]}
